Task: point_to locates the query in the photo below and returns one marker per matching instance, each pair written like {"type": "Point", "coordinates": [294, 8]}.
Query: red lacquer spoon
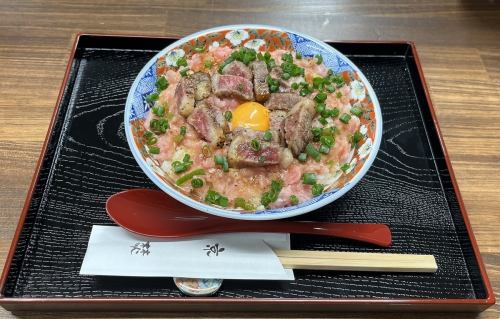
{"type": "Point", "coordinates": [153, 213]}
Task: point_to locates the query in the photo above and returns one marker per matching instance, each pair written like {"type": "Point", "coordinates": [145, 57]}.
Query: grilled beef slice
{"type": "Point", "coordinates": [260, 87]}
{"type": "Point", "coordinates": [298, 126]}
{"type": "Point", "coordinates": [232, 86]}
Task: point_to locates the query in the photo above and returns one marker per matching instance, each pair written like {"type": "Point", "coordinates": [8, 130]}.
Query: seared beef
{"type": "Point", "coordinates": [241, 153]}
{"type": "Point", "coordinates": [232, 86]}
{"type": "Point", "coordinates": [184, 96]}
{"type": "Point", "coordinates": [260, 86]}
{"type": "Point", "coordinates": [298, 126]}
{"type": "Point", "coordinates": [190, 89]}
{"type": "Point", "coordinates": [239, 69]}
{"type": "Point", "coordinates": [203, 119]}
{"type": "Point", "coordinates": [202, 85]}
{"type": "Point", "coordinates": [283, 101]}
{"type": "Point", "coordinates": [277, 119]}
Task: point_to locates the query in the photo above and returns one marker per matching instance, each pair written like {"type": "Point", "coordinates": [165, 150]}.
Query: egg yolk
{"type": "Point", "coordinates": [251, 115]}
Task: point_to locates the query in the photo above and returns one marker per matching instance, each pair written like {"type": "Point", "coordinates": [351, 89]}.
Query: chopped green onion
{"type": "Point", "coordinates": [183, 130]}
{"type": "Point", "coordinates": [344, 118]}
{"type": "Point", "coordinates": [323, 121]}
{"type": "Point", "coordinates": [255, 145]}
{"type": "Point", "coordinates": [294, 200]}
{"type": "Point", "coordinates": [309, 178]}
{"type": "Point", "coordinates": [188, 176]}
{"type": "Point", "coordinates": [345, 167]}
{"type": "Point", "coordinates": [181, 62]}
{"type": "Point", "coordinates": [151, 141]}
{"type": "Point", "coordinates": [319, 59]}
{"type": "Point", "coordinates": [295, 86]}
{"type": "Point", "coordinates": [302, 157]}
{"type": "Point", "coordinates": [328, 131]}
{"type": "Point", "coordinates": [242, 203]}
{"type": "Point", "coordinates": [222, 161]}
{"type": "Point", "coordinates": [152, 98]}
{"type": "Point", "coordinates": [317, 189]}
{"type": "Point", "coordinates": [228, 116]}
{"type": "Point", "coordinates": [197, 182]}
{"type": "Point", "coordinates": [316, 132]}
{"type": "Point", "coordinates": [268, 136]}
{"type": "Point", "coordinates": [159, 126]}
{"type": "Point", "coordinates": [199, 49]}
{"type": "Point", "coordinates": [287, 57]}
{"type": "Point", "coordinates": [161, 84]}
{"type": "Point", "coordinates": [327, 140]}
{"type": "Point", "coordinates": [356, 137]}
{"type": "Point", "coordinates": [313, 152]}
{"type": "Point", "coordinates": [208, 64]}
{"type": "Point", "coordinates": [158, 110]}
{"type": "Point", "coordinates": [262, 159]}
{"type": "Point", "coordinates": [339, 94]}
{"type": "Point", "coordinates": [178, 139]}
{"type": "Point", "coordinates": [356, 111]}
{"type": "Point", "coordinates": [215, 198]}
{"type": "Point", "coordinates": [330, 88]}
{"type": "Point", "coordinates": [324, 149]}
{"type": "Point", "coordinates": [298, 55]}
{"type": "Point", "coordinates": [320, 108]}
{"type": "Point", "coordinates": [154, 150]}
{"type": "Point", "coordinates": [184, 72]}
{"type": "Point", "coordinates": [271, 196]}
{"type": "Point", "coordinates": [226, 62]}
{"type": "Point", "coordinates": [334, 112]}
{"type": "Point", "coordinates": [320, 97]}
{"type": "Point", "coordinates": [285, 76]}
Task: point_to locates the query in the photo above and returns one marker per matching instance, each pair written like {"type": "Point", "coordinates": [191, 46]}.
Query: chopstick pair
{"type": "Point", "coordinates": [356, 261]}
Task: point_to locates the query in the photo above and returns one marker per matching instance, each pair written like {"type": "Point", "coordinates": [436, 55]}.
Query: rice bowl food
{"type": "Point", "coordinates": [243, 120]}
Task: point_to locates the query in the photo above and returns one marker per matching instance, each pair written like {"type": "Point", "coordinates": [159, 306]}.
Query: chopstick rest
{"type": "Point", "coordinates": [356, 261]}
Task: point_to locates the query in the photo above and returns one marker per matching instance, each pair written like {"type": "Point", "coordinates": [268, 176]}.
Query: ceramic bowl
{"type": "Point", "coordinates": [258, 37]}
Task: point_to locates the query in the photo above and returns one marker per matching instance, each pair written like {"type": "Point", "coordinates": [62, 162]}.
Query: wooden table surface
{"type": "Point", "coordinates": [458, 42]}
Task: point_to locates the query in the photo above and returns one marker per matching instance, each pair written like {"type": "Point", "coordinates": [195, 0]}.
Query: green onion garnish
{"type": "Point", "coordinates": [181, 62]}
{"type": "Point", "coordinates": [188, 176]}
{"type": "Point", "coordinates": [317, 189]}
{"type": "Point", "coordinates": [295, 86]}
{"type": "Point", "coordinates": [152, 98]}
{"type": "Point", "coordinates": [356, 137]}
{"type": "Point", "coordinates": [215, 198]}
{"type": "Point", "coordinates": [302, 157]}
{"type": "Point", "coordinates": [313, 152]}
{"type": "Point", "coordinates": [208, 64]}
{"type": "Point", "coordinates": [357, 111]}
{"type": "Point", "coordinates": [327, 140]}
{"type": "Point", "coordinates": [339, 94]}
{"type": "Point", "coordinates": [324, 149]}
{"type": "Point", "coordinates": [154, 150]}
{"type": "Point", "coordinates": [345, 167]}
{"type": "Point", "coordinates": [268, 136]}
{"type": "Point", "coordinates": [222, 161]}
{"type": "Point", "coordinates": [285, 76]}
{"type": "Point", "coordinates": [242, 203]}
{"type": "Point", "coordinates": [319, 59]}
{"type": "Point", "coordinates": [323, 121]}
{"type": "Point", "coordinates": [320, 108]}
{"type": "Point", "coordinates": [199, 49]}
{"type": "Point", "coordinates": [344, 118]}
{"type": "Point", "coordinates": [272, 195]}
{"type": "Point", "coordinates": [309, 178]}
{"type": "Point", "coordinates": [197, 182]}
{"type": "Point", "coordinates": [294, 200]}
{"type": "Point", "coordinates": [228, 116]}
{"type": "Point", "coordinates": [161, 84]}
{"type": "Point", "coordinates": [158, 110]}
{"type": "Point", "coordinates": [320, 97]}
{"type": "Point", "coordinates": [255, 145]}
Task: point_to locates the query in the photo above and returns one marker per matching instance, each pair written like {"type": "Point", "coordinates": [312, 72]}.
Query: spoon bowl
{"type": "Point", "coordinates": [153, 213]}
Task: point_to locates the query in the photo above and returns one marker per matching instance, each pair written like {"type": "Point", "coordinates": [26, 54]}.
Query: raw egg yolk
{"type": "Point", "coordinates": [251, 115]}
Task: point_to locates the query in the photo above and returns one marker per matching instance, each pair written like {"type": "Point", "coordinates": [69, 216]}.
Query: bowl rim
{"type": "Point", "coordinates": [267, 214]}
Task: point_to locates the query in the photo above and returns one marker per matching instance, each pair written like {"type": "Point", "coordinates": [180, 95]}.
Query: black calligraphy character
{"type": "Point", "coordinates": [140, 248]}
{"type": "Point", "coordinates": [214, 249]}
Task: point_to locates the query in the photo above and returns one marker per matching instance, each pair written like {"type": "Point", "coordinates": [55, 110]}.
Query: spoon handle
{"type": "Point", "coordinates": [377, 234]}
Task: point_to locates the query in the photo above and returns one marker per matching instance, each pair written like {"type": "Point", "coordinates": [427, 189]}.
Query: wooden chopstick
{"type": "Point", "coordinates": [356, 261]}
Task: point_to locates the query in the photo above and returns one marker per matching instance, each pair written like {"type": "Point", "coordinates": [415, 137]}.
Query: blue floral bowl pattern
{"type": "Point", "coordinates": [256, 36]}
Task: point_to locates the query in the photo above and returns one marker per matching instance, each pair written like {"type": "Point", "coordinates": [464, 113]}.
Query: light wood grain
{"type": "Point", "coordinates": [458, 42]}
{"type": "Point", "coordinates": [356, 261]}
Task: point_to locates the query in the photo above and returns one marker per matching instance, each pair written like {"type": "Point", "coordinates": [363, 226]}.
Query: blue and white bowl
{"type": "Point", "coordinates": [256, 37]}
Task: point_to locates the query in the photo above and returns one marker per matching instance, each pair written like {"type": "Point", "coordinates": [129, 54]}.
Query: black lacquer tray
{"type": "Point", "coordinates": [86, 159]}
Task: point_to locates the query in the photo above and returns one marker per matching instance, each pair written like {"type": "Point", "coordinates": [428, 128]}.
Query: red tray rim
{"type": "Point", "coordinates": [475, 304]}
